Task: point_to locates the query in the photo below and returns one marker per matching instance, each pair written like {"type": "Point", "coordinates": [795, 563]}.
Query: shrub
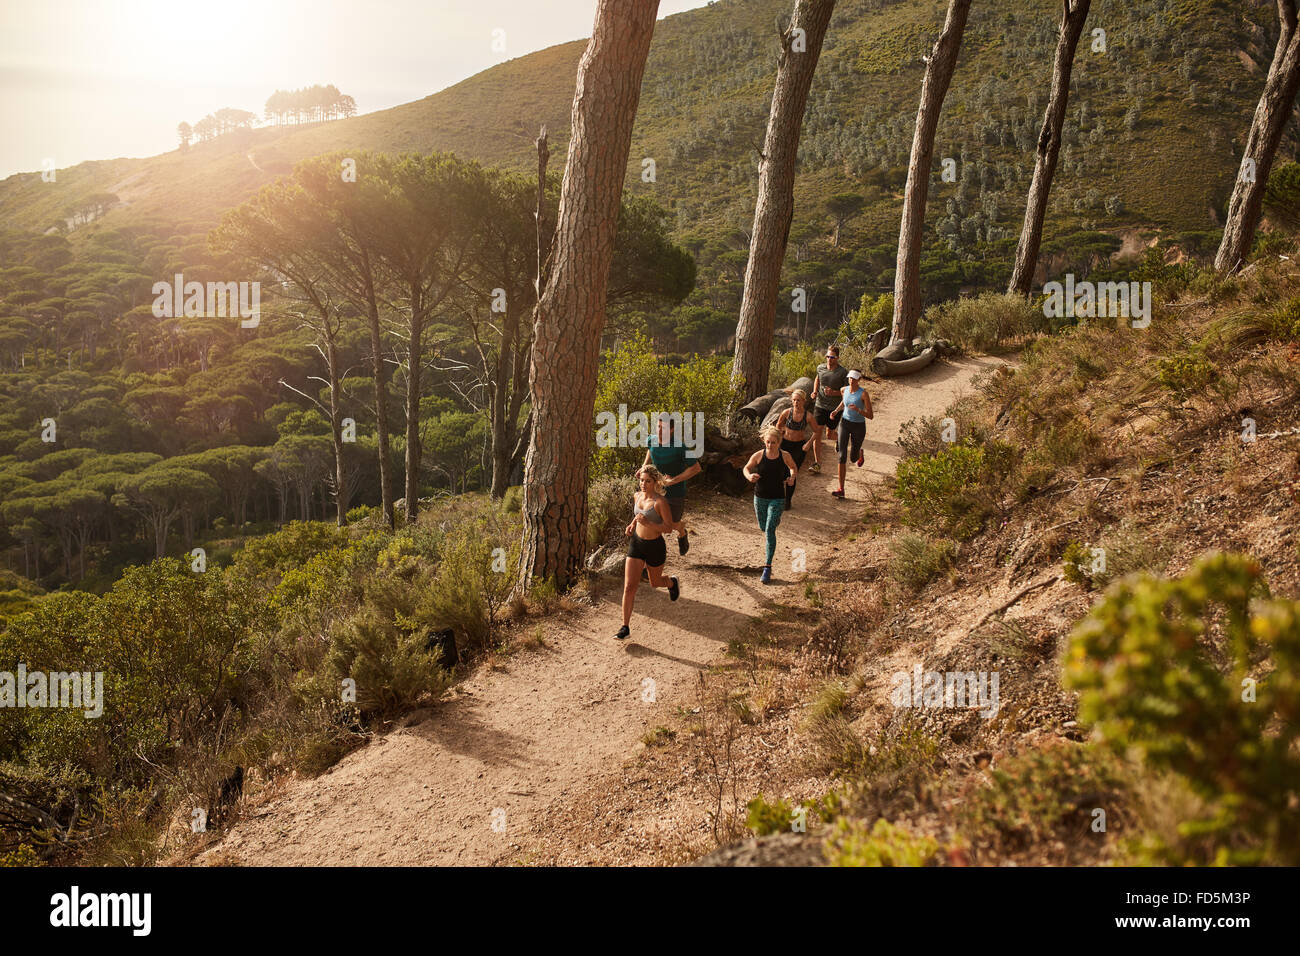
{"type": "Point", "coordinates": [1185, 372]}
{"type": "Point", "coordinates": [955, 488]}
{"type": "Point", "coordinates": [609, 508]}
{"type": "Point", "coordinates": [1044, 795]}
{"type": "Point", "coordinates": [984, 323]}
{"type": "Point", "coordinates": [474, 577]}
{"type": "Point", "coordinates": [634, 377]}
{"type": "Point", "coordinates": [851, 843]}
{"type": "Point", "coordinates": [766, 818]}
{"type": "Point", "coordinates": [789, 367]}
{"type": "Point", "coordinates": [1144, 664]}
{"type": "Point", "coordinates": [915, 559]}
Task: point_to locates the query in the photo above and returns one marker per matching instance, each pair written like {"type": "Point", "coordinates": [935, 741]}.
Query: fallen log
{"type": "Point", "coordinates": [759, 407]}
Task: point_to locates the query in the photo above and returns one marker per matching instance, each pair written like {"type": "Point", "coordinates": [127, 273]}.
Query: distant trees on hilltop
{"type": "Point", "coordinates": [313, 104]}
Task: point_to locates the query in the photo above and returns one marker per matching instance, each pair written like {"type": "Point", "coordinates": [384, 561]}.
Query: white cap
{"type": "Point", "coordinates": [854, 373]}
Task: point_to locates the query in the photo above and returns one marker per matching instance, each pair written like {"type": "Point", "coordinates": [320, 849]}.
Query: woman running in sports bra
{"type": "Point", "coordinates": [855, 403]}
{"type": "Point", "coordinates": [796, 427]}
{"type": "Point", "coordinates": [770, 470]}
{"type": "Point", "coordinates": [651, 517]}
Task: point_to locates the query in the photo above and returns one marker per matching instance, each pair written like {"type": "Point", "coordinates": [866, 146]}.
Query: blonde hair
{"type": "Point", "coordinates": [799, 393]}
{"type": "Point", "coordinates": [655, 474]}
{"type": "Point", "coordinates": [771, 431]}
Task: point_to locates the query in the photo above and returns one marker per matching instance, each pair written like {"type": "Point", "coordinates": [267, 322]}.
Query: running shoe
{"type": "Point", "coordinates": [674, 589]}
{"type": "Point", "coordinates": [861, 458]}
{"type": "Point", "coordinates": [815, 467]}
{"type": "Point", "coordinates": [623, 632]}
{"type": "Point", "coordinates": [683, 543]}
{"type": "Point", "coordinates": [766, 576]}
{"type": "Point", "coordinates": [838, 492]}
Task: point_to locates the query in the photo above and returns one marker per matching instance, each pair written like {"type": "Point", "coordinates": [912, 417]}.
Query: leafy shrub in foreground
{"type": "Point", "coordinates": [1144, 664]}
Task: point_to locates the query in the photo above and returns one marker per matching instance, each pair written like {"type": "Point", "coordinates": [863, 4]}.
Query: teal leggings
{"type": "Point", "coordinates": [768, 511]}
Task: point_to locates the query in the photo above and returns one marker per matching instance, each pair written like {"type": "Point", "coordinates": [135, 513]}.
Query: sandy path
{"type": "Point", "coordinates": [489, 761]}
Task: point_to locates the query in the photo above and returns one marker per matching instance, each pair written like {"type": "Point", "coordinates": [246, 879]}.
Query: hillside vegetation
{"type": "Point", "coordinates": [1152, 140]}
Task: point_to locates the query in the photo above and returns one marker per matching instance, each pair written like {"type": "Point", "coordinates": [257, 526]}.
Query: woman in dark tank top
{"type": "Point", "coordinates": [770, 471]}
{"type": "Point", "coordinates": [796, 436]}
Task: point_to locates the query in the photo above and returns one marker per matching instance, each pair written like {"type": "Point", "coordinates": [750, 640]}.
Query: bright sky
{"type": "Point", "coordinates": [99, 79]}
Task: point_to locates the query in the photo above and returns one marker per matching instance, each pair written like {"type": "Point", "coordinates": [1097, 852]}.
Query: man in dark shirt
{"type": "Point", "coordinates": [678, 464]}
{"type": "Point", "coordinates": [831, 378]}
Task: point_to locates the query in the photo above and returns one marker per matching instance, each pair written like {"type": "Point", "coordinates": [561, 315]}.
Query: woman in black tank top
{"type": "Point", "coordinates": [796, 436]}
{"type": "Point", "coordinates": [770, 471]}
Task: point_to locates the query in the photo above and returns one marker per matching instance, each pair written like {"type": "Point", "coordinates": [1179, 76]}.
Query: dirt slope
{"type": "Point", "coordinates": [465, 783]}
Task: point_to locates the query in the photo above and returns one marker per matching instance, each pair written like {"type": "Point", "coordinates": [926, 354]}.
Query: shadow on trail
{"type": "Point", "coordinates": [468, 733]}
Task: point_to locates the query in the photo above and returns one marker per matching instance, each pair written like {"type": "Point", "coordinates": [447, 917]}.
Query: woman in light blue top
{"type": "Point", "coordinates": [855, 403]}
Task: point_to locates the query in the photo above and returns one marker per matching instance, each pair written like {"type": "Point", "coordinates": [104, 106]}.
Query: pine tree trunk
{"type": "Point", "coordinates": [775, 207]}
{"type": "Point", "coordinates": [1073, 15]}
{"type": "Point", "coordinates": [336, 427]}
{"type": "Point", "coordinates": [907, 278]}
{"type": "Point", "coordinates": [1271, 115]}
{"type": "Point", "coordinates": [570, 313]}
{"type": "Point", "coordinates": [380, 373]}
{"type": "Point", "coordinates": [414, 367]}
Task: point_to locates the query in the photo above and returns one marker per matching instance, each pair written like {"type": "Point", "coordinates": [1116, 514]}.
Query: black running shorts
{"type": "Point", "coordinates": [653, 552]}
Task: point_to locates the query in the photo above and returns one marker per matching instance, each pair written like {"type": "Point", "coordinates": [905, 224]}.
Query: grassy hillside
{"type": "Point", "coordinates": [1155, 122]}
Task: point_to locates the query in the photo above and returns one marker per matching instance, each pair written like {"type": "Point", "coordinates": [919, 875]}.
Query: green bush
{"type": "Point", "coordinates": [789, 367]}
{"type": "Point", "coordinates": [766, 818]}
{"type": "Point", "coordinates": [984, 323]}
{"type": "Point", "coordinates": [634, 377]}
{"type": "Point", "coordinates": [609, 508]}
{"type": "Point", "coordinates": [851, 843]}
{"type": "Point", "coordinates": [955, 488]}
{"type": "Point", "coordinates": [915, 559]}
{"type": "Point", "coordinates": [1186, 372]}
{"type": "Point", "coordinates": [1144, 663]}
{"type": "Point", "coordinates": [1285, 322]}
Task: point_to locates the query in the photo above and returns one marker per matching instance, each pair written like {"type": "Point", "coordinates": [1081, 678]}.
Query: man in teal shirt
{"type": "Point", "coordinates": [667, 453]}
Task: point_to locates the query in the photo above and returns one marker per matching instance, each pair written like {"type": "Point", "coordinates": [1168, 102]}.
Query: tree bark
{"type": "Point", "coordinates": [414, 367]}
{"type": "Point", "coordinates": [1271, 114]}
{"type": "Point", "coordinates": [775, 207]}
{"type": "Point", "coordinates": [380, 373]}
{"type": "Point", "coordinates": [1073, 15]}
{"type": "Point", "coordinates": [570, 313]}
{"type": "Point", "coordinates": [907, 279]}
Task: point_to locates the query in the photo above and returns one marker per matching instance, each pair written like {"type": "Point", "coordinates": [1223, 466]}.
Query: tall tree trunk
{"type": "Point", "coordinates": [1073, 15]}
{"type": "Point", "coordinates": [336, 428]}
{"type": "Point", "coordinates": [1271, 114]}
{"type": "Point", "coordinates": [571, 311]}
{"type": "Point", "coordinates": [414, 367]}
{"type": "Point", "coordinates": [907, 278]}
{"type": "Point", "coordinates": [775, 207]}
{"type": "Point", "coordinates": [380, 373]}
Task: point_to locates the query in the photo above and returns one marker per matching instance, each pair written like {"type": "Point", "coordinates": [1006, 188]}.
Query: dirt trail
{"type": "Point", "coordinates": [463, 785]}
